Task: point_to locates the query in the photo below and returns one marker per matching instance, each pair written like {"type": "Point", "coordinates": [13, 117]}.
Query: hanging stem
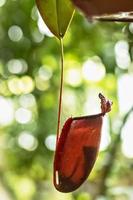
{"type": "Point", "coordinates": [61, 88]}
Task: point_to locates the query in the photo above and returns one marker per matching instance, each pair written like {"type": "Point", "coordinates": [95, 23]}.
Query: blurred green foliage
{"type": "Point", "coordinates": [29, 86]}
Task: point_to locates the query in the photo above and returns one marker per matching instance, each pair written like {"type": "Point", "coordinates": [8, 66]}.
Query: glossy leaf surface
{"type": "Point", "coordinates": [77, 149]}
{"type": "Point", "coordinates": [108, 8]}
{"type": "Point", "coordinates": [56, 14]}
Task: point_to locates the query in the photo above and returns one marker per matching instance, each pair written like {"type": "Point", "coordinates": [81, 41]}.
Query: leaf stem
{"type": "Point", "coordinates": [61, 88]}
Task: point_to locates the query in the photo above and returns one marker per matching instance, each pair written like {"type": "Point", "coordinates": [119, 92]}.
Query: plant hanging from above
{"type": "Point", "coordinates": [77, 149]}
{"type": "Point", "coordinates": [78, 143]}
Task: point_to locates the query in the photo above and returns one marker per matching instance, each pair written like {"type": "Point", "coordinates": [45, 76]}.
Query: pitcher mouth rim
{"type": "Point", "coordinates": [118, 17]}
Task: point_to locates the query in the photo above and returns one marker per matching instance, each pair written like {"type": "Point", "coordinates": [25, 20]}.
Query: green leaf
{"type": "Point", "coordinates": [57, 15]}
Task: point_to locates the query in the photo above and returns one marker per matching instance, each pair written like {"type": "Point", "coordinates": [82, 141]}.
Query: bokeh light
{"type": "Point", "coordinates": [127, 142]}
{"type": "Point", "coordinates": [6, 111]}
{"type": "Point", "coordinates": [34, 13]}
{"type": "Point", "coordinates": [50, 142]}
{"type": "Point", "coordinates": [3, 194]}
{"type": "Point", "coordinates": [91, 104]}
{"type": "Point", "coordinates": [27, 141]}
{"type": "Point", "coordinates": [69, 101]}
{"type": "Point", "coordinates": [27, 100]}
{"type": "Point", "coordinates": [42, 78]}
{"type": "Point", "coordinates": [45, 73]}
{"type": "Point", "coordinates": [125, 93]}
{"type": "Point", "coordinates": [15, 33]}
{"type": "Point", "coordinates": [2, 2]}
{"type": "Point", "coordinates": [122, 54]}
{"type": "Point", "coordinates": [73, 77]}
{"type": "Point", "coordinates": [26, 84]}
{"type": "Point", "coordinates": [93, 69]}
{"type": "Point", "coordinates": [14, 85]}
{"type": "Point", "coordinates": [23, 116]}
{"type": "Point", "coordinates": [17, 66]}
{"type": "Point", "coordinates": [105, 136]}
{"type": "Point", "coordinates": [37, 36]}
{"type": "Point", "coordinates": [22, 85]}
{"type": "Point", "coordinates": [24, 187]}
